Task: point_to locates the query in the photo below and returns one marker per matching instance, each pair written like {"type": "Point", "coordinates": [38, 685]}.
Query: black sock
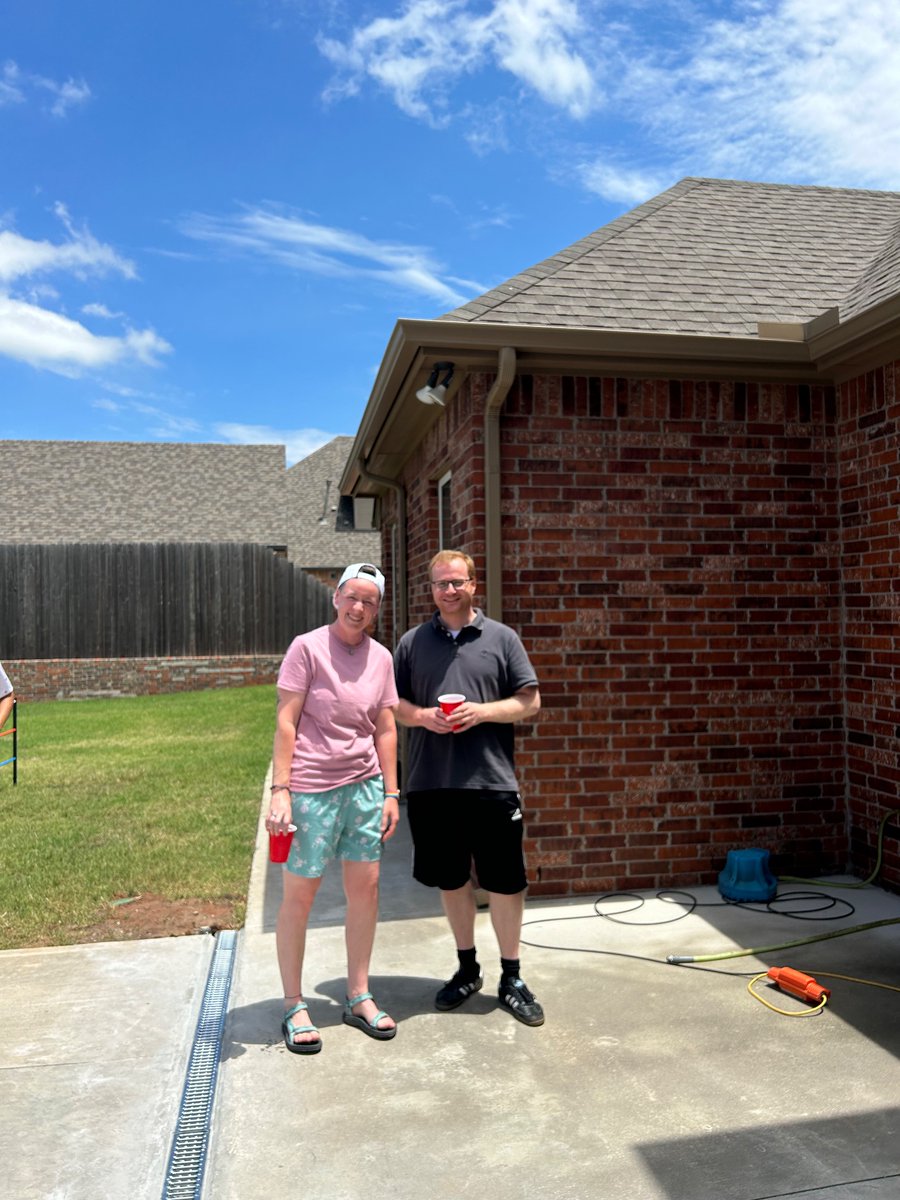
{"type": "Point", "coordinates": [509, 968]}
{"type": "Point", "coordinates": [468, 964]}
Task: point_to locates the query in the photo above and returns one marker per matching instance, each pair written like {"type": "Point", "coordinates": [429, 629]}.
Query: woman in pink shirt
{"type": "Point", "coordinates": [334, 776]}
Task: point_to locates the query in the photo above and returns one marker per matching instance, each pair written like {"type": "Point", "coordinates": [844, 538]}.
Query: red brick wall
{"type": "Point", "coordinates": [671, 559]}
{"type": "Point", "coordinates": [869, 444]}
{"type": "Point", "coordinates": [83, 678]}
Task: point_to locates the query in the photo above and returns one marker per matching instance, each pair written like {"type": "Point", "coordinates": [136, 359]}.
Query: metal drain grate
{"type": "Point", "coordinates": [184, 1174]}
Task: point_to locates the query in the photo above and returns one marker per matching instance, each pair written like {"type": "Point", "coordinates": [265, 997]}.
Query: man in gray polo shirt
{"type": "Point", "coordinates": [462, 797]}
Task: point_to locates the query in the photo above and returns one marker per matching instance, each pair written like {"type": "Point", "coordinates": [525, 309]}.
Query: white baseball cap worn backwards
{"type": "Point", "coordinates": [363, 571]}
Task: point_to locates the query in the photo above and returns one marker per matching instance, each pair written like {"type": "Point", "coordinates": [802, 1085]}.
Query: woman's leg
{"type": "Point", "coordinates": [290, 939]}
{"type": "Point", "coordinates": [361, 890]}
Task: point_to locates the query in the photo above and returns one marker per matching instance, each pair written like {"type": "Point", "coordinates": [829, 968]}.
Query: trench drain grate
{"type": "Point", "coordinates": [187, 1160]}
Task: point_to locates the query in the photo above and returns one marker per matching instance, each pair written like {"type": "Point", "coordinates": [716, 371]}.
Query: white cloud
{"type": "Point", "coordinates": [100, 310]}
{"type": "Point", "coordinates": [291, 241]}
{"type": "Point", "coordinates": [298, 443]}
{"type": "Point", "coordinates": [787, 90]}
{"type": "Point", "coordinates": [47, 339]}
{"type": "Point", "coordinates": [65, 95]}
{"type": "Point", "coordinates": [420, 55]}
{"type": "Point", "coordinates": [17, 86]}
{"type": "Point", "coordinates": [169, 425]}
{"type": "Point", "coordinates": [620, 184]}
{"type": "Point", "coordinates": [10, 85]}
{"type": "Point", "coordinates": [804, 90]}
{"type": "Point", "coordinates": [81, 255]}
{"type": "Point", "coordinates": [32, 333]}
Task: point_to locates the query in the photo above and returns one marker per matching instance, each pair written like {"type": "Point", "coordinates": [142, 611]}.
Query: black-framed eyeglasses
{"type": "Point", "coordinates": [442, 585]}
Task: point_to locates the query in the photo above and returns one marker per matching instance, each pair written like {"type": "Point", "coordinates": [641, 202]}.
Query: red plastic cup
{"type": "Point", "coordinates": [449, 701]}
{"type": "Point", "coordinates": [280, 845]}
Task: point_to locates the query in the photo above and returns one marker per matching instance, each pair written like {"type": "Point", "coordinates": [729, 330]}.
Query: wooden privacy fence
{"type": "Point", "coordinates": [149, 599]}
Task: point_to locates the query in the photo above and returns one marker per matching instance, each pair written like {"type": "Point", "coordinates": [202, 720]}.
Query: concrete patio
{"type": "Point", "coordinates": [647, 1082]}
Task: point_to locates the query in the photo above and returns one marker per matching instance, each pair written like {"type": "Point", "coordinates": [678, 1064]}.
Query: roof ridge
{"type": "Point", "coordinates": [875, 281]}
{"type": "Point", "coordinates": [578, 249]}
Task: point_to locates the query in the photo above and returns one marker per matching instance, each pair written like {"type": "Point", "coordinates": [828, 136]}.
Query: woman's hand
{"type": "Point", "coordinates": [279, 815]}
{"type": "Point", "coordinates": [390, 817]}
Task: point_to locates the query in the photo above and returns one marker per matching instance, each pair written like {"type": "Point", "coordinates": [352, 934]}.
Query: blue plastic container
{"type": "Point", "coordinates": [747, 877]}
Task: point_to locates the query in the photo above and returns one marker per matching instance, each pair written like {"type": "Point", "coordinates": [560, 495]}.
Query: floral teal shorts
{"type": "Point", "coordinates": [344, 822]}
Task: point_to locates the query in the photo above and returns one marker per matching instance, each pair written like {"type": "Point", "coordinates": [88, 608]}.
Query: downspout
{"type": "Point", "coordinates": [493, 575]}
{"type": "Point", "coordinates": [398, 583]}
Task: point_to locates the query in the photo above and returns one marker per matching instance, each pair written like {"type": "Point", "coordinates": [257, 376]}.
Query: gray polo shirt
{"type": "Point", "coordinates": [485, 661]}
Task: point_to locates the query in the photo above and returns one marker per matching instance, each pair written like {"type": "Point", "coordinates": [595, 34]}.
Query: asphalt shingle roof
{"type": "Point", "coordinates": [712, 256]}
{"type": "Point", "coordinates": [55, 491]}
{"type": "Point", "coordinates": [313, 488]}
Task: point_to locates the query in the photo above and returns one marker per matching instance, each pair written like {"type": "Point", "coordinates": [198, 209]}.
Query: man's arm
{"type": "Point", "coordinates": [519, 706]}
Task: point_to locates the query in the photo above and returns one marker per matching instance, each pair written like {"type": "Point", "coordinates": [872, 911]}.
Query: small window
{"type": "Point", "coordinates": [344, 519]}
{"type": "Point", "coordinates": [363, 512]}
{"type": "Point", "coordinates": [445, 522]}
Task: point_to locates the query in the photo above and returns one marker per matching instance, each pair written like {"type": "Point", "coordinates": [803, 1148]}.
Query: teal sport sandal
{"type": "Point", "coordinates": [289, 1031]}
{"type": "Point", "coordinates": [368, 1027]}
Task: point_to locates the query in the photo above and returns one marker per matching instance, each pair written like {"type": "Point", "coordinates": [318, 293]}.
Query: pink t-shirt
{"type": "Point", "coordinates": [346, 688]}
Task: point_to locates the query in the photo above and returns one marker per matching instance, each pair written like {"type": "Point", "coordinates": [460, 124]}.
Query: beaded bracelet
{"type": "Point", "coordinates": [396, 794]}
{"type": "Point", "coordinates": [280, 787]}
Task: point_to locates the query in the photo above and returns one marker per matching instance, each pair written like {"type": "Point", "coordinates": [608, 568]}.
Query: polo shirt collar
{"type": "Point", "coordinates": [440, 628]}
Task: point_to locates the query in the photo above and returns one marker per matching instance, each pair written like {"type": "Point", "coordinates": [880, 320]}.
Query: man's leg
{"type": "Point", "coordinates": [506, 917]}
{"type": "Point", "coordinates": [361, 890]}
{"type": "Point", "coordinates": [290, 939]}
{"type": "Point", "coordinates": [459, 906]}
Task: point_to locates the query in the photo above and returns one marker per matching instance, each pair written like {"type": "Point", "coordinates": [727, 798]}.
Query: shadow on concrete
{"type": "Point", "coordinates": [258, 1024]}
{"type": "Point", "coordinates": [855, 1152]}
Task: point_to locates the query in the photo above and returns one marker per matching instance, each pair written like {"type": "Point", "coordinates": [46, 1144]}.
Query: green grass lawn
{"type": "Point", "coordinates": [124, 797]}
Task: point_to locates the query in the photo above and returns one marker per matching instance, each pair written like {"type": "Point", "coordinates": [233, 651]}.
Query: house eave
{"type": "Point", "coordinates": [394, 421]}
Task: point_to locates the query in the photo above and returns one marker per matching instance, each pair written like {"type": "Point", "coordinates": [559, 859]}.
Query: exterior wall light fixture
{"type": "Point", "coordinates": [434, 392]}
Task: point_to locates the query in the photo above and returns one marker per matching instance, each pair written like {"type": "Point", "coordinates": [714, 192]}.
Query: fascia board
{"type": "Point", "coordinates": [860, 343]}
{"type": "Point", "coordinates": [394, 422]}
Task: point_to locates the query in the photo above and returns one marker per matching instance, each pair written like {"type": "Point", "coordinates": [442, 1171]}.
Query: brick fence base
{"type": "Point", "coordinates": [88, 678]}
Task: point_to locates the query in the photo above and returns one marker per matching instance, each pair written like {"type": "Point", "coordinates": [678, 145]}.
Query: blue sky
{"type": "Point", "coordinates": [213, 212]}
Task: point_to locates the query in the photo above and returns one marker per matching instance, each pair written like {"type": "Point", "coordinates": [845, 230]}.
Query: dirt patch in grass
{"type": "Point", "coordinates": [154, 916]}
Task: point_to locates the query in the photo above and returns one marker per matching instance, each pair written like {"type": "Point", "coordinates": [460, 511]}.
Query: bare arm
{"type": "Point", "coordinates": [6, 705]}
{"type": "Point", "coordinates": [386, 749]}
{"type": "Point", "coordinates": [287, 718]}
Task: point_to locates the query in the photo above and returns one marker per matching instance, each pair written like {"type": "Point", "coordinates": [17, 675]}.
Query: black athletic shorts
{"type": "Point", "coordinates": [450, 829]}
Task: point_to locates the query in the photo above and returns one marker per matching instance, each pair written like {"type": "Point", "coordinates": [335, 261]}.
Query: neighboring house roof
{"type": "Point", "coordinates": [142, 491]}
{"type": "Point", "coordinates": [318, 533]}
{"type": "Point", "coordinates": [712, 256]}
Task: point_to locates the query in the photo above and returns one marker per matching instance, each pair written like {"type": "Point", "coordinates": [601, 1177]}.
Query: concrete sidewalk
{"type": "Point", "coordinates": [94, 1041]}
{"type": "Point", "coordinates": [648, 1081]}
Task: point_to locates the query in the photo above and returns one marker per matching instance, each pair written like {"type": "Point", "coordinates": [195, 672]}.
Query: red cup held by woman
{"type": "Point", "coordinates": [280, 845]}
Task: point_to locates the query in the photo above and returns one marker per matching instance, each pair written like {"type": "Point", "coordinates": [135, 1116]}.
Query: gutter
{"type": "Point", "coordinates": [506, 371]}
{"type": "Point", "coordinates": [398, 583]}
